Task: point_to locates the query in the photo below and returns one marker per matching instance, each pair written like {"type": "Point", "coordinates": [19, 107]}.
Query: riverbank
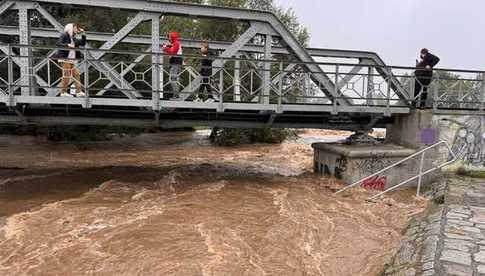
{"type": "Point", "coordinates": [450, 238]}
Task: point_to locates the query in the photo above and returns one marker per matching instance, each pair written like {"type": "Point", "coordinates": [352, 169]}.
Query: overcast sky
{"type": "Point", "coordinates": [398, 29]}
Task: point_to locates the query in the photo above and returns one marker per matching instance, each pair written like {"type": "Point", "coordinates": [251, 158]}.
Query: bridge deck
{"type": "Point", "coordinates": [263, 79]}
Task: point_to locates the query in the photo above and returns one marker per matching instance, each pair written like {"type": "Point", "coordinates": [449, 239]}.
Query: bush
{"type": "Point", "coordinates": [234, 137]}
{"type": "Point", "coordinates": [78, 135]}
{"type": "Point", "coordinates": [470, 173]}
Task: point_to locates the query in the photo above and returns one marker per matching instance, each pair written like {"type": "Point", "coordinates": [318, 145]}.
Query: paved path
{"type": "Point", "coordinates": [450, 238]}
{"type": "Point", "coordinates": [461, 249]}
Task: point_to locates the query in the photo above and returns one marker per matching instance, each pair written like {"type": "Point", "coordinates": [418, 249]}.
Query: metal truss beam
{"type": "Point", "coordinates": [266, 70]}
{"type": "Point", "coordinates": [122, 33]}
{"type": "Point", "coordinates": [125, 71]}
{"type": "Point", "coordinates": [355, 70]}
{"type": "Point", "coordinates": [18, 62]}
{"type": "Point", "coordinates": [230, 51]}
{"type": "Point", "coordinates": [104, 67]}
{"type": "Point", "coordinates": [277, 27]}
{"type": "Point", "coordinates": [193, 43]}
{"type": "Point", "coordinates": [222, 45]}
{"type": "Point", "coordinates": [5, 6]}
{"type": "Point", "coordinates": [98, 121]}
{"type": "Point", "coordinates": [26, 79]}
{"type": "Point", "coordinates": [58, 26]}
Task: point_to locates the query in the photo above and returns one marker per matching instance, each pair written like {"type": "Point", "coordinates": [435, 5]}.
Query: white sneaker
{"type": "Point", "coordinates": [66, 95]}
{"type": "Point", "coordinates": [80, 94]}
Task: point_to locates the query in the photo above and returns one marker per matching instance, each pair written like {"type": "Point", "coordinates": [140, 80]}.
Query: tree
{"type": "Point", "coordinates": [104, 20]}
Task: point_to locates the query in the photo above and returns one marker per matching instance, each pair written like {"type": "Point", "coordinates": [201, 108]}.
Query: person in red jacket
{"type": "Point", "coordinates": [176, 61]}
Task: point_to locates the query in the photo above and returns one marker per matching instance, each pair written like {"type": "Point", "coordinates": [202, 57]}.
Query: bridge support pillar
{"type": "Point", "coordinates": [416, 130]}
{"type": "Point", "coordinates": [353, 162]}
{"type": "Point", "coordinates": [409, 134]}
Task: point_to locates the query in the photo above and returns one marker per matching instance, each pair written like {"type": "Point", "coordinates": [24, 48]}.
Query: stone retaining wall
{"type": "Point", "coordinates": [450, 238]}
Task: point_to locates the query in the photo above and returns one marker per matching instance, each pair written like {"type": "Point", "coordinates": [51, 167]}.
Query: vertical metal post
{"type": "Point", "coordinates": [370, 87]}
{"type": "Point", "coordinates": [482, 93]}
{"type": "Point", "coordinates": [460, 94]}
{"type": "Point", "coordinates": [251, 81]}
{"type": "Point", "coordinates": [156, 63]}
{"type": "Point", "coordinates": [11, 97]}
{"type": "Point", "coordinates": [280, 88]}
{"type": "Point", "coordinates": [420, 178]}
{"type": "Point", "coordinates": [436, 91]}
{"type": "Point", "coordinates": [221, 89]}
{"type": "Point", "coordinates": [388, 96]}
{"type": "Point", "coordinates": [267, 70]}
{"type": "Point", "coordinates": [25, 53]}
{"type": "Point", "coordinates": [49, 71]}
{"type": "Point", "coordinates": [87, 103]}
{"type": "Point", "coordinates": [237, 79]}
{"type": "Point", "coordinates": [335, 100]}
{"type": "Point", "coordinates": [307, 87]}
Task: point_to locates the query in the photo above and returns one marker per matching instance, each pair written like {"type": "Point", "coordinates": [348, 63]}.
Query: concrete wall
{"type": "Point", "coordinates": [351, 163]}
{"type": "Point", "coordinates": [465, 134]}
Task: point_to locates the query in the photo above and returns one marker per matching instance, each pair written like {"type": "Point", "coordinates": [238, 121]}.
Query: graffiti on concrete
{"type": "Point", "coordinates": [340, 167]}
{"type": "Point", "coordinates": [375, 183]}
{"type": "Point", "coordinates": [469, 141]}
{"type": "Point", "coordinates": [371, 165]}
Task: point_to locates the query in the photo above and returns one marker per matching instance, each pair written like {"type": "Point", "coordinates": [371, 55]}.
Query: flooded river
{"type": "Point", "coordinates": [171, 204]}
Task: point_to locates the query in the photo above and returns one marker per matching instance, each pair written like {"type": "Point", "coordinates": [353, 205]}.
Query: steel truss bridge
{"type": "Point", "coordinates": [265, 78]}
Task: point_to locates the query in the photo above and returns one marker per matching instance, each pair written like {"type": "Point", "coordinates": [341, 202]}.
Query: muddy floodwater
{"type": "Point", "coordinates": [171, 204]}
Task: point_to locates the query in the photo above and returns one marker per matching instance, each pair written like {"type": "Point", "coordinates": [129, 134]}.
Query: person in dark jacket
{"type": "Point", "coordinates": [205, 90]}
{"type": "Point", "coordinates": [68, 39]}
{"type": "Point", "coordinates": [176, 61]}
{"type": "Point", "coordinates": [424, 75]}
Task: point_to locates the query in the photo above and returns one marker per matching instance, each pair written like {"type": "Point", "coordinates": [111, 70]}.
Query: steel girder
{"type": "Point", "coordinates": [223, 45]}
{"type": "Point", "coordinates": [221, 12]}
{"type": "Point", "coordinates": [29, 71]}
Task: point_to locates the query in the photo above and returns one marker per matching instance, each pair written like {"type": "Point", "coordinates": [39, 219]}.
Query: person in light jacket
{"type": "Point", "coordinates": [67, 58]}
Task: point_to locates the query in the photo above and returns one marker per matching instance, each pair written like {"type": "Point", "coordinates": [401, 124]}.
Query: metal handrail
{"type": "Point", "coordinates": [151, 53]}
{"type": "Point", "coordinates": [360, 94]}
{"type": "Point", "coordinates": [419, 176]}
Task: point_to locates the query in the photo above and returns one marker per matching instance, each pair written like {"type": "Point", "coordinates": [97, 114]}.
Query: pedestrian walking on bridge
{"type": "Point", "coordinates": [68, 58]}
{"type": "Point", "coordinates": [176, 61]}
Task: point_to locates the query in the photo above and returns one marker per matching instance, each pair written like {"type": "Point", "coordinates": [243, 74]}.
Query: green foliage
{"type": "Point", "coordinates": [470, 173]}
{"type": "Point", "coordinates": [287, 16]}
{"type": "Point", "coordinates": [105, 20]}
{"type": "Point", "coordinates": [78, 135]}
{"type": "Point", "coordinates": [234, 137]}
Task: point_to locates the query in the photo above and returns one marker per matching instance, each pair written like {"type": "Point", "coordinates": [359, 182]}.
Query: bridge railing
{"type": "Point", "coordinates": [33, 74]}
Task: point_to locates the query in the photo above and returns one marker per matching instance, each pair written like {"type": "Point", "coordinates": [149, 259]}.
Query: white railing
{"type": "Point", "coordinates": [420, 175]}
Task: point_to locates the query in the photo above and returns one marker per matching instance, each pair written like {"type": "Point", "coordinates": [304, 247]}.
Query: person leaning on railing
{"type": "Point", "coordinates": [424, 75]}
{"type": "Point", "coordinates": [205, 89]}
{"type": "Point", "coordinates": [176, 61]}
{"type": "Point", "coordinates": [68, 39]}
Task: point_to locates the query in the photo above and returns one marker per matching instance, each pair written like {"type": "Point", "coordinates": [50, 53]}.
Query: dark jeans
{"type": "Point", "coordinates": [421, 83]}
{"type": "Point", "coordinates": [205, 89]}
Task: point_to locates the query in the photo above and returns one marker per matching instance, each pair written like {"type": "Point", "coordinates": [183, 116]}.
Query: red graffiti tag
{"type": "Point", "coordinates": [375, 183]}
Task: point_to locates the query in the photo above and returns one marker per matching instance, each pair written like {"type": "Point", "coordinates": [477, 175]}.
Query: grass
{"type": "Point", "coordinates": [470, 173]}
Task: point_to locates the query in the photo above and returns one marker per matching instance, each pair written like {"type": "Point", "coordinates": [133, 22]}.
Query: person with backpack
{"type": "Point", "coordinates": [68, 39]}
{"type": "Point", "coordinates": [424, 76]}
{"type": "Point", "coordinates": [205, 89]}
{"type": "Point", "coordinates": [175, 52]}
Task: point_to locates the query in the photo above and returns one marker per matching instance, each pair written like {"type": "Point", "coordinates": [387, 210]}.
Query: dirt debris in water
{"type": "Point", "coordinates": [218, 213]}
